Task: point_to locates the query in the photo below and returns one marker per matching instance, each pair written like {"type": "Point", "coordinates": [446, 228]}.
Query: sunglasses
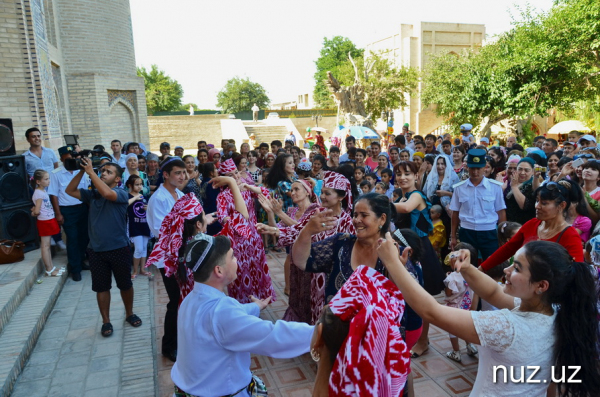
{"type": "Point", "coordinates": [586, 156]}
{"type": "Point", "coordinates": [552, 186]}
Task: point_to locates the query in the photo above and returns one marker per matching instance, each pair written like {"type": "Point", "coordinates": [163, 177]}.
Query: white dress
{"type": "Point", "coordinates": [514, 340]}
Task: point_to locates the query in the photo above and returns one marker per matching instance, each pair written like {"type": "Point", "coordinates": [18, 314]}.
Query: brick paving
{"type": "Point", "coordinates": [435, 375]}
{"type": "Point", "coordinates": [71, 358]}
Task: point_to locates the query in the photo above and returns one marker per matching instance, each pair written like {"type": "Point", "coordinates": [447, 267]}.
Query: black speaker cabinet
{"type": "Point", "coordinates": [14, 190]}
{"type": "Point", "coordinates": [18, 224]}
{"type": "Point", "coordinates": [7, 138]}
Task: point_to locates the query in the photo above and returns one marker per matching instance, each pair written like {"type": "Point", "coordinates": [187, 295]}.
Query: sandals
{"type": "Point", "coordinates": [416, 355]}
{"type": "Point", "coordinates": [133, 276]}
{"type": "Point", "coordinates": [454, 356]}
{"type": "Point", "coordinates": [107, 330]}
{"type": "Point", "coordinates": [60, 272]}
{"type": "Point", "coordinates": [134, 320]}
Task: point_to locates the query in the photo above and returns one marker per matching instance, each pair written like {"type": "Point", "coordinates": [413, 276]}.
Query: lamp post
{"type": "Point", "coordinates": [316, 118]}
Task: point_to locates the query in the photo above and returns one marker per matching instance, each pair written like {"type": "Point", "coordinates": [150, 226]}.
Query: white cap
{"type": "Point", "coordinates": [485, 139]}
{"type": "Point", "coordinates": [587, 138]}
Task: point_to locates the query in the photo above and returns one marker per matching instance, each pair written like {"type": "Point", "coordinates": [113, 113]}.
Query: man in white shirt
{"type": "Point", "coordinates": [38, 157]}
{"type": "Point", "coordinates": [255, 110]}
{"type": "Point", "coordinates": [217, 334]}
{"type": "Point", "coordinates": [70, 212]}
{"type": "Point", "coordinates": [160, 204]}
{"type": "Point", "coordinates": [117, 156]}
{"type": "Point", "coordinates": [478, 206]}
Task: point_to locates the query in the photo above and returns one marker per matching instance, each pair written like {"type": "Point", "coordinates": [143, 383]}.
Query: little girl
{"type": "Point", "coordinates": [459, 295]}
{"type": "Point", "coordinates": [381, 187]}
{"type": "Point", "coordinates": [46, 223]}
{"type": "Point", "coordinates": [139, 232]}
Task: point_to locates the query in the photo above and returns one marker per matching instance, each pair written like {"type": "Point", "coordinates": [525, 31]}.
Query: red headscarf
{"type": "Point", "coordinates": [309, 189]}
{"type": "Point", "coordinates": [171, 236]}
{"type": "Point", "coordinates": [227, 167]}
{"type": "Point", "coordinates": [373, 360]}
{"type": "Point", "coordinates": [333, 180]}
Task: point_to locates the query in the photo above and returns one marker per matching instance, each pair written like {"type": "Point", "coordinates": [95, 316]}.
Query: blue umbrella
{"type": "Point", "coordinates": [359, 132]}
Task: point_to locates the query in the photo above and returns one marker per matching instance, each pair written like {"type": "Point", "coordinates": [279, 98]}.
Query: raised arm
{"type": "Point", "coordinates": [319, 222]}
{"type": "Point", "coordinates": [456, 321]}
{"type": "Point", "coordinates": [238, 200]}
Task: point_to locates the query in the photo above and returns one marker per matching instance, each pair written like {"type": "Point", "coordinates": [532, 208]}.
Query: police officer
{"type": "Point", "coordinates": [71, 213]}
{"type": "Point", "coordinates": [478, 205]}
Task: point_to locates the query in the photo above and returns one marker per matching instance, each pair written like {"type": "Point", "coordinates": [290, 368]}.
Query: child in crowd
{"type": "Point", "coordinates": [386, 177]}
{"type": "Point", "coordinates": [397, 195]}
{"type": "Point", "coordinates": [381, 187]}
{"type": "Point", "coordinates": [47, 225]}
{"type": "Point", "coordinates": [371, 177]}
{"type": "Point", "coordinates": [459, 295]}
{"type": "Point", "coordinates": [359, 174]}
{"type": "Point", "coordinates": [137, 225]}
{"type": "Point", "coordinates": [506, 231]}
{"type": "Point", "coordinates": [438, 235]}
{"type": "Point", "coordinates": [365, 187]}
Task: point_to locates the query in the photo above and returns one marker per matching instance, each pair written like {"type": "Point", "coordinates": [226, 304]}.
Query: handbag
{"type": "Point", "coordinates": [11, 251]}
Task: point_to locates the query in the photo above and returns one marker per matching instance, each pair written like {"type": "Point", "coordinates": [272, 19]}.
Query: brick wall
{"type": "Point", "coordinates": [185, 131]}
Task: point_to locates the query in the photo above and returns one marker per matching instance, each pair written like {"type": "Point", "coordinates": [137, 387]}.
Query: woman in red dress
{"type": "Point", "coordinates": [253, 272]}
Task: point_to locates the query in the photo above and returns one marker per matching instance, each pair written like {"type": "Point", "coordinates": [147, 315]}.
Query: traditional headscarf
{"type": "Point", "coordinates": [171, 233]}
{"type": "Point", "coordinates": [527, 160]}
{"type": "Point", "coordinates": [450, 178]}
{"type": "Point", "coordinates": [309, 189]}
{"type": "Point", "coordinates": [227, 167]}
{"type": "Point", "coordinates": [212, 152]}
{"type": "Point", "coordinates": [333, 180]}
{"type": "Point", "coordinates": [130, 156]}
{"type": "Point", "coordinates": [419, 154]}
{"type": "Point", "coordinates": [374, 359]}
{"type": "Point", "coordinates": [515, 158]}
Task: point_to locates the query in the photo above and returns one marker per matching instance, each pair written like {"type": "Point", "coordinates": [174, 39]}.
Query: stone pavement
{"type": "Point", "coordinates": [71, 358]}
{"type": "Point", "coordinates": [435, 375]}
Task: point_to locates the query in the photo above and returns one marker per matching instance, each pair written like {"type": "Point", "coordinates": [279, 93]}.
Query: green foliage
{"type": "Point", "coordinates": [186, 107]}
{"type": "Point", "coordinates": [163, 94]}
{"type": "Point", "coordinates": [550, 60]}
{"type": "Point", "coordinates": [528, 133]}
{"type": "Point", "coordinates": [239, 95]}
{"type": "Point", "coordinates": [333, 55]}
{"type": "Point", "coordinates": [385, 85]}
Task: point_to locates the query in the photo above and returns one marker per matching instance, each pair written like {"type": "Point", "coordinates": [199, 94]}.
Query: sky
{"type": "Point", "coordinates": [202, 44]}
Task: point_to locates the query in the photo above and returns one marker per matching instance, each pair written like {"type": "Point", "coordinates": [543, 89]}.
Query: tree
{"type": "Point", "coordinates": [549, 60]}
{"type": "Point", "coordinates": [334, 54]}
{"type": "Point", "coordinates": [240, 95]}
{"type": "Point", "coordinates": [163, 94]}
{"type": "Point", "coordinates": [186, 107]}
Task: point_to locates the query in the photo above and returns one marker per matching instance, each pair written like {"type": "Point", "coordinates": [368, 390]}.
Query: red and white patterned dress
{"type": "Point", "coordinates": [307, 290]}
{"type": "Point", "coordinates": [253, 272]}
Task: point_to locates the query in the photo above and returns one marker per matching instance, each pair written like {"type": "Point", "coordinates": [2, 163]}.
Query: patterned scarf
{"type": "Point", "coordinates": [171, 230]}
{"type": "Point", "coordinates": [227, 166]}
{"type": "Point", "coordinates": [373, 360]}
{"type": "Point", "coordinates": [333, 180]}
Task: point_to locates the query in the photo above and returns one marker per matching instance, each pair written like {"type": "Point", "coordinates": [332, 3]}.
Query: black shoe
{"type": "Point", "coordinates": [171, 355]}
{"type": "Point", "coordinates": [76, 276]}
{"type": "Point", "coordinates": [85, 266]}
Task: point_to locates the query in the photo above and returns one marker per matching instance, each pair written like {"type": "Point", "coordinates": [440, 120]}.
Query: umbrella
{"type": "Point", "coordinates": [564, 127]}
{"type": "Point", "coordinates": [321, 129]}
{"type": "Point", "coordinates": [358, 132]}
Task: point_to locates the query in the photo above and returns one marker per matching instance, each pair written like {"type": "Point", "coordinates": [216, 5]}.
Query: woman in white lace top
{"type": "Point", "coordinates": [547, 325]}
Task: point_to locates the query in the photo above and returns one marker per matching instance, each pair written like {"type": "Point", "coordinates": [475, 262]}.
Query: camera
{"type": "Point", "coordinates": [74, 164]}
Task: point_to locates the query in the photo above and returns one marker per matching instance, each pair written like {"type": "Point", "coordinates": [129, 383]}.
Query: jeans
{"type": "Point", "coordinates": [76, 229]}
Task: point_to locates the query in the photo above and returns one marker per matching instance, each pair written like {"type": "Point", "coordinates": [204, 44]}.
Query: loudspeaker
{"type": "Point", "coordinates": [7, 138]}
{"type": "Point", "coordinates": [14, 190]}
{"type": "Point", "coordinates": [18, 224]}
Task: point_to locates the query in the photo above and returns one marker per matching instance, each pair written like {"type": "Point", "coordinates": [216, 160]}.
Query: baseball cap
{"type": "Point", "coordinates": [588, 138]}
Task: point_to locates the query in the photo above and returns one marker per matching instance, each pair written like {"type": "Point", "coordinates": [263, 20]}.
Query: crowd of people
{"type": "Point", "coordinates": [507, 234]}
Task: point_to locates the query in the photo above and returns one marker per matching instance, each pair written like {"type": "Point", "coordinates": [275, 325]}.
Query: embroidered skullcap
{"type": "Point", "coordinates": [305, 165]}
{"type": "Point", "coordinates": [171, 237]}
{"type": "Point", "coordinates": [374, 359]}
{"type": "Point", "coordinates": [333, 180]}
{"type": "Point", "coordinates": [227, 166]}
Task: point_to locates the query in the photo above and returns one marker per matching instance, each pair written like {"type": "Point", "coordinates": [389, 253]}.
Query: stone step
{"type": "Point", "coordinates": [24, 312]}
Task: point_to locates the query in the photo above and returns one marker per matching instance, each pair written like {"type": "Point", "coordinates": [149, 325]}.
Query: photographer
{"type": "Point", "coordinates": [109, 250]}
{"type": "Point", "coordinates": [70, 213]}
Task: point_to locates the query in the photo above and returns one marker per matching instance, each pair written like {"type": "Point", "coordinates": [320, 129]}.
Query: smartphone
{"type": "Point", "coordinates": [578, 163]}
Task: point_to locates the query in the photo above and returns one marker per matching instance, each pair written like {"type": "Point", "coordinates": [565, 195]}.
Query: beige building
{"type": "Point", "coordinates": [68, 67]}
{"type": "Point", "coordinates": [413, 46]}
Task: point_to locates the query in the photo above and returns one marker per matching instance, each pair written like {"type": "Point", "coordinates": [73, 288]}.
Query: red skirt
{"type": "Point", "coordinates": [48, 228]}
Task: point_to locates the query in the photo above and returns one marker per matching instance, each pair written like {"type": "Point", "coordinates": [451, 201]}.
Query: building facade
{"type": "Point", "coordinates": [68, 68]}
{"type": "Point", "coordinates": [413, 46]}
